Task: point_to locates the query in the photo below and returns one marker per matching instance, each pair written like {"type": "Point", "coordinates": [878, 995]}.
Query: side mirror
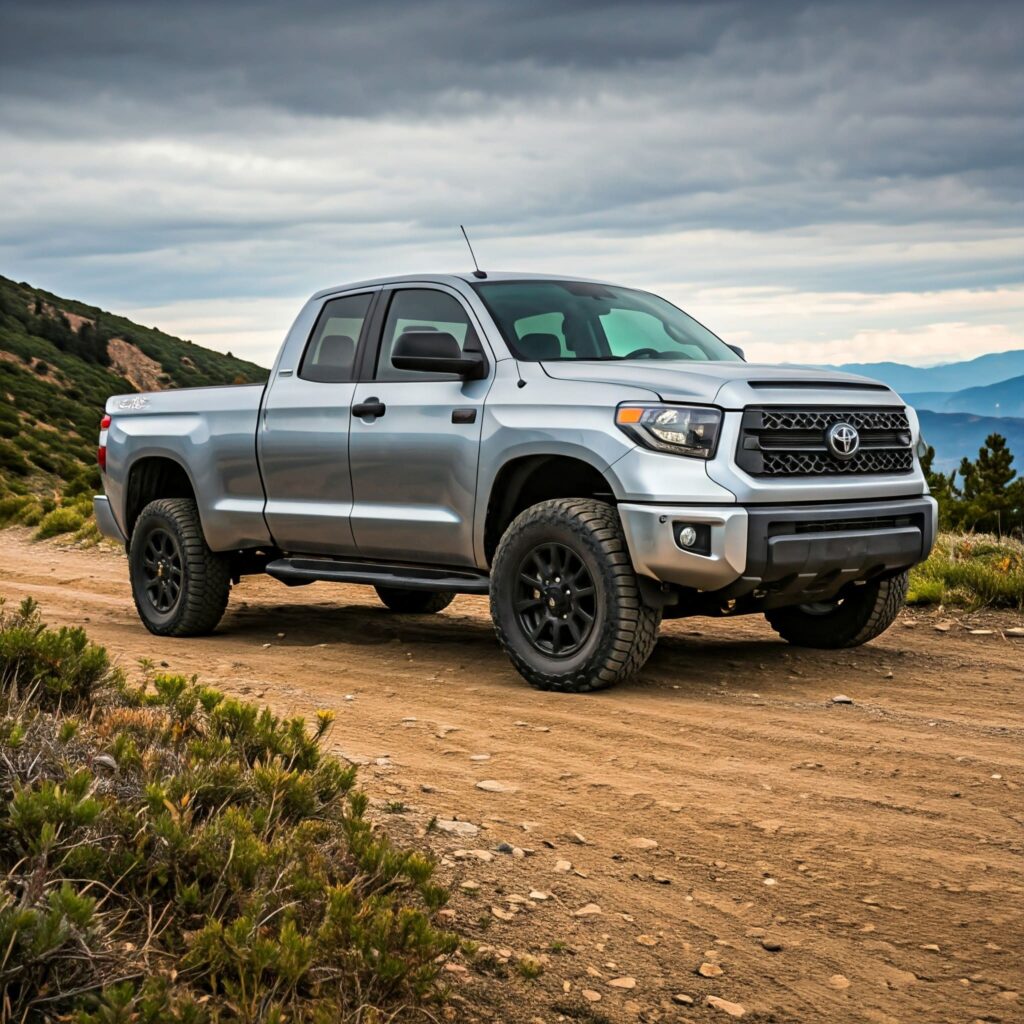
{"type": "Point", "coordinates": [738, 351]}
{"type": "Point", "coordinates": [434, 352]}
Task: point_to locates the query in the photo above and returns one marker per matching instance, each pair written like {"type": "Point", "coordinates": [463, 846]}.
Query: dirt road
{"type": "Point", "coordinates": [822, 861]}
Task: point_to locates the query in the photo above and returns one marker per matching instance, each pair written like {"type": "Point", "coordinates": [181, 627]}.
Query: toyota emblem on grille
{"type": "Point", "coordinates": [842, 440]}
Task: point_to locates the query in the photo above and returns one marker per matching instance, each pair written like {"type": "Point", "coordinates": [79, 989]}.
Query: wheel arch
{"type": "Point", "coordinates": [151, 477]}
{"type": "Point", "coordinates": [527, 479]}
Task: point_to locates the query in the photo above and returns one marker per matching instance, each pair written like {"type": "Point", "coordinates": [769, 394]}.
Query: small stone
{"type": "Point", "coordinates": [841, 698]}
{"type": "Point", "coordinates": [646, 940]}
{"type": "Point", "coordinates": [771, 881]}
{"type": "Point", "coordinates": [1015, 631]}
{"type": "Point", "coordinates": [591, 996]}
{"type": "Point", "coordinates": [106, 761]}
{"type": "Point", "coordinates": [838, 981]}
{"type": "Point", "coordinates": [458, 828]}
{"type": "Point", "coordinates": [772, 945]}
{"type": "Point", "coordinates": [536, 894]}
{"type": "Point", "coordinates": [563, 866]}
{"type": "Point", "coordinates": [982, 632]}
{"type": "Point", "coordinates": [479, 757]}
{"type": "Point", "coordinates": [502, 915]}
{"type": "Point", "coordinates": [682, 999]}
{"type": "Point", "coordinates": [588, 910]}
{"type": "Point", "coordinates": [643, 844]}
{"type": "Point", "coordinates": [931, 947]}
{"type": "Point", "coordinates": [493, 786]}
{"type": "Point", "coordinates": [469, 885]}
{"type": "Point", "coordinates": [733, 1009]}
{"type": "Point", "coordinates": [942, 627]}
{"type": "Point", "coordinates": [504, 848]}
{"type": "Point", "coordinates": [707, 970]}
{"type": "Point", "coordinates": [626, 983]}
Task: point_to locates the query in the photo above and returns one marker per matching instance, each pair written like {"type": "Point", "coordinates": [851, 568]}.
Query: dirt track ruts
{"type": "Point", "coordinates": [880, 843]}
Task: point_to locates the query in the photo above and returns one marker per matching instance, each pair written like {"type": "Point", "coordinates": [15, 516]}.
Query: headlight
{"type": "Point", "coordinates": [679, 429]}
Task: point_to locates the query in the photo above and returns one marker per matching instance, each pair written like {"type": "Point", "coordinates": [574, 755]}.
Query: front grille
{"type": "Point", "coordinates": [791, 442]}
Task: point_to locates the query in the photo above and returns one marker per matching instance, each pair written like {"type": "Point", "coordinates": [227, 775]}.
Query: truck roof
{"type": "Point", "coordinates": [451, 279]}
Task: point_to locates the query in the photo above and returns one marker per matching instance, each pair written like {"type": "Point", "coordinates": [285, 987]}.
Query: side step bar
{"type": "Point", "coordinates": [300, 570]}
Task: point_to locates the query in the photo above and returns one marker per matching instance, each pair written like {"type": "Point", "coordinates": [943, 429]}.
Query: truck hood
{"type": "Point", "coordinates": [730, 385]}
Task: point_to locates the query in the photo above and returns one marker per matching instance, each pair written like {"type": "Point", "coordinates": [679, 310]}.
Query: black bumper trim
{"type": "Point", "coordinates": [814, 551]}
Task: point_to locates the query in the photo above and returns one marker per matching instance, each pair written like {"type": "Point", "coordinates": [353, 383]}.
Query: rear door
{"type": "Point", "coordinates": [304, 433]}
{"type": "Point", "coordinates": [415, 439]}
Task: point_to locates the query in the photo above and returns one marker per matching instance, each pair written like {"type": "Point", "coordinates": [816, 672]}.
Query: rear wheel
{"type": "Point", "coordinates": [414, 602]}
{"type": "Point", "coordinates": [859, 615]}
{"type": "Point", "coordinates": [179, 585]}
{"type": "Point", "coordinates": [565, 600]}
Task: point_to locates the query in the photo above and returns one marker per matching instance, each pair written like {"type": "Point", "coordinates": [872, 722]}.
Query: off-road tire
{"type": "Point", "coordinates": [205, 575]}
{"type": "Point", "coordinates": [864, 613]}
{"type": "Point", "coordinates": [414, 602]}
{"type": "Point", "coordinates": [624, 631]}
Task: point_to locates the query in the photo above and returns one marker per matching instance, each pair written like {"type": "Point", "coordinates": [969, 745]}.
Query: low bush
{"type": "Point", "coordinates": [970, 570]}
{"type": "Point", "coordinates": [171, 854]}
{"type": "Point", "coordinates": [65, 519]}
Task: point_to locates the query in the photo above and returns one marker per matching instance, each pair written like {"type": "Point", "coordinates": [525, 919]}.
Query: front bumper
{"type": "Point", "coordinates": [105, 519]}
{"type": "Point", "coordinates": [777, 552]}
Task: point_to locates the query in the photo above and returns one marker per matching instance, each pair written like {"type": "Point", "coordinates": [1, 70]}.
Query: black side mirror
{"type": "Point", "coordinates": [434, 352]}
{"type": "Point", "coordinates": [738, 351]}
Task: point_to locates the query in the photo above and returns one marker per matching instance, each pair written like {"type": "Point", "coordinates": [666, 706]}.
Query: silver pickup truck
{"type": "Point", "coordinates": [586, 454]}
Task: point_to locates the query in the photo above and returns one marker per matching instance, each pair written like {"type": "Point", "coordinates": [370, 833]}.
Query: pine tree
{"type": "Point", "coordinates": [989, 486]}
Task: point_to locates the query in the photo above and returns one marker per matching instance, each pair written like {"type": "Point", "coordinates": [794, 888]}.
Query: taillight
{"type": "Point", "coordinates": [101, 452]}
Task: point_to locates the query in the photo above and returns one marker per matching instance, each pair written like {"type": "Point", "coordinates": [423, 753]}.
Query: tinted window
{"type": "Point", "coordinates": [423, 309]}
{"type": "Point", "coordinates": [555, 320]}
{"type": "Point", "coordinates": [331, 353]}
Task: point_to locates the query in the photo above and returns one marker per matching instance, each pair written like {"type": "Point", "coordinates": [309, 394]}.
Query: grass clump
{"type": "Point", "coordinates": [170, 854]}
{"type": "Point", "coordinates": [63, 519]}
{"type": "Point", "coordinates": [971, 571]}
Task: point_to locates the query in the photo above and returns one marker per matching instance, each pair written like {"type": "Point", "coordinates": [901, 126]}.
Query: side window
{"type": "Point", "coordinates": [330, 356]}
{"type": "Point", "coordinates": [423, 309]}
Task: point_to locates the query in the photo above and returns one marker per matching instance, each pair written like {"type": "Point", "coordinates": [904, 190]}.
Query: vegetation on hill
{"type": "Point", "coordinates": [170, 854]}
{"type": "Point", "coordinates": [59, 362]}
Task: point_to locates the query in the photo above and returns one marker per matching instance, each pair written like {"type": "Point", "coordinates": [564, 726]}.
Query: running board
{"type": "Point", "coordinates": [297, 571]}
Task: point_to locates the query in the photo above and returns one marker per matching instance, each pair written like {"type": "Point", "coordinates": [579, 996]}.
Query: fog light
{"type": "Point", "coordinates": [687, 536]}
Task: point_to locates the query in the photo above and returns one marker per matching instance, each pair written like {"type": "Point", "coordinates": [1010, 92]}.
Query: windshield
{"type": "Point", "coordinates": [561, 320]}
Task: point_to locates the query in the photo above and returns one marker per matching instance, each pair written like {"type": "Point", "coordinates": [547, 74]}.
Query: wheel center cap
{"type": "Point", "coordinates": [557, 600]}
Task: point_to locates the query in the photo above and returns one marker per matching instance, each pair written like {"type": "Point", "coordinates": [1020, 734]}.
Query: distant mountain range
{"type": "Point", "coordinates": [973, 373]}
{"type": "Point", "coordinates": [1003, 399]}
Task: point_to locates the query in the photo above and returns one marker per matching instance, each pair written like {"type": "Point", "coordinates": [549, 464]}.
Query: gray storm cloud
{"type": "Point", "coordinates": [157, 155]}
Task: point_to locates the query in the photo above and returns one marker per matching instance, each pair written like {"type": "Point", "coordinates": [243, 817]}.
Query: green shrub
{"type": "Point", "coordinates": [970, 570]}
{"type": "Point", "coordinates": [170, 854]}
{"type": "Point", "coordinates": [64, 519]}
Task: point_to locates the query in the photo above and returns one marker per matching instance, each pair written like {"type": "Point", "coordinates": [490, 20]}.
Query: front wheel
{"type": "Point", "coordinates": [565, 600]}
{"type": "Point", "coordinates": [859, 615]}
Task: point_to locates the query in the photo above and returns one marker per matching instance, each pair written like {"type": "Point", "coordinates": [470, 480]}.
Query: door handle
{"type": "Point", "coordinates": [371, 407]}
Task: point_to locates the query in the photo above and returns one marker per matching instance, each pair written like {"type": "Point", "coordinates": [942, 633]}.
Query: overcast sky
{"type": "Point", "coordinates": [816, 181]}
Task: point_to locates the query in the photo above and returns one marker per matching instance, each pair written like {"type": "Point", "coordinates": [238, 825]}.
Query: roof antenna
{"type": "Point", "coordinates": [478, 273]}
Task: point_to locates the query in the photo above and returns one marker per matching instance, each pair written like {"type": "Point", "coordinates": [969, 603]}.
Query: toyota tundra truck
{"type": "Point", "coordinates": [587, 455]}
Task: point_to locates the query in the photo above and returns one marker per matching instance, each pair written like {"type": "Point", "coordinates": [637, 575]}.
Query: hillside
{"type": "Point", "coordinates": [59, 362]}
{"type": "Point", "coordinates": [971, 373]}
{"type": "Point", "coordinates": [1003, 399]}
{"type": "Point", "coordinates": [954, 435]}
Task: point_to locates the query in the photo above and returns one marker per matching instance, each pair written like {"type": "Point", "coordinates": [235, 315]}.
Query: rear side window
{"type": "Point", "coordinates": [330, 356]}
{"type": "Point", "coordinates": [423, 309]}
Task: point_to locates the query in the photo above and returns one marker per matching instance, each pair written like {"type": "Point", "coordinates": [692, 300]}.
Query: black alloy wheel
{"type": "Point", "coordinates": [556, 601]}
{"type": "Point", "coordinates": [162, 570]}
